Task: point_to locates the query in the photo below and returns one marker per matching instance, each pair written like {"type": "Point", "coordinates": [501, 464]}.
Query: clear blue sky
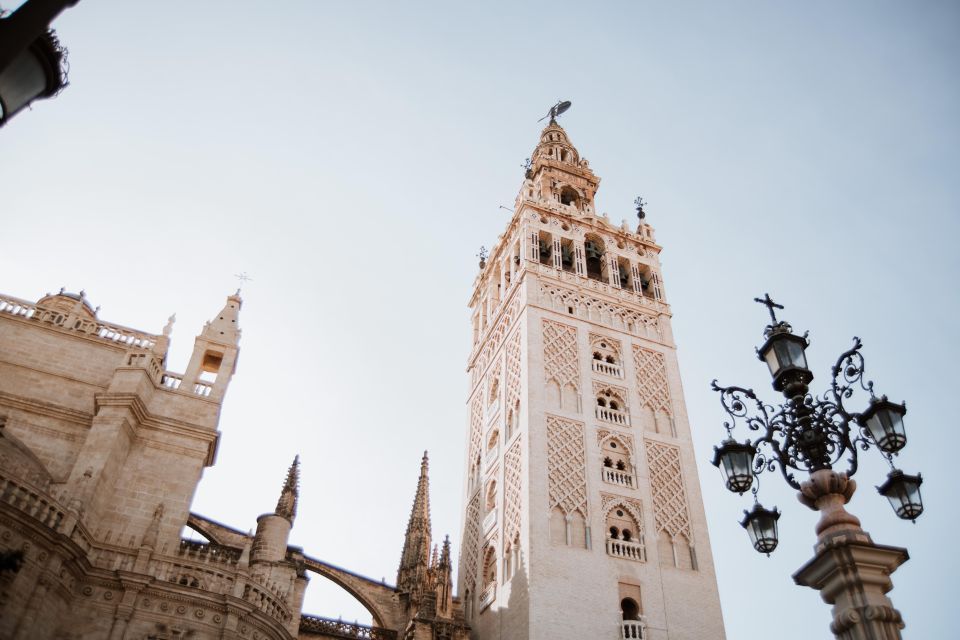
{"type": "Point", "coordinates": [352, 156]}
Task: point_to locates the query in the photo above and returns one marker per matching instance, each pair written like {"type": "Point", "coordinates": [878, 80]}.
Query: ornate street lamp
{"type": "Point", "coordinates": [820, 436]}
{"type": "Point", "coordinates": [32, 61]}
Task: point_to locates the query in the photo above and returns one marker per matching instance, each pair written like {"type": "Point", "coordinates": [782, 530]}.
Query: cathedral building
{"type": "Point", "coordinates": [101, 451]}
{"type": "Point", "coordinates": [582, 509]}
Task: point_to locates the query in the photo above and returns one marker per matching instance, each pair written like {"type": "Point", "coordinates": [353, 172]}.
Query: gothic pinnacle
{"type": "Point", "coordinates": [287, 504]}
{"type": "Point", "coordinates": [415, 558]}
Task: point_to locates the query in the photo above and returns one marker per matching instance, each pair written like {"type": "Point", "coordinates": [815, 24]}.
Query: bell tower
{"type": "Point", "coordinates": [583, 516]}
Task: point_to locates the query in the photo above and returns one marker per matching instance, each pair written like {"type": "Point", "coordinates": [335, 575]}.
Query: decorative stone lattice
{"type": "Point", "coordinates": [635, 322]}
{"type": "Point", "coordinates": [666, 484]}
{"type": "Point", "coordinates": [630, 505]}
{"type": "Point", "coordinates": [612, 346]}
{"type": "Point", "coordinates": [566, 473]}
{"type": "Point", "coordinates": [513, 370]}
{"type": "Point", "coordinates": [560, 360]}
{"type": "Point", "coordinates": [470, 551]}
{"type": "Point", "coordinates": [476, 426]}
{"type": "Point", "coordinates": [652, 384]}
{"type": "Point", "coordinates": [512, 492]}
{"type": "Point", "coordinates": [492, 341]}
{"type": "Point", "coordinates": [626, 440]}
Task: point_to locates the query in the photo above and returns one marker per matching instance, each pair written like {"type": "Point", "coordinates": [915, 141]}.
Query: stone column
{"type": "Point", "coordinates": [850, 571]}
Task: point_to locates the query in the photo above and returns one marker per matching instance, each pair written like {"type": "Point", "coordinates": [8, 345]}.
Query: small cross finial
{"type": "Point", "coordinates": [243, 278]}
{"type": "Point", "coordinates": [770, 305]}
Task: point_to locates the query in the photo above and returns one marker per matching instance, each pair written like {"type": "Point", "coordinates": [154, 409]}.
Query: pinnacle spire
{"type": "Point", "coordinates": [415, 559]}
{"type": "Point", "coordinates": [287, 504]}
{"type": "Point", "coordinates": [225, 327]}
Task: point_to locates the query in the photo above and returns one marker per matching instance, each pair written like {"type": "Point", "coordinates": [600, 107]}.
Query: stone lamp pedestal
{"type": "Point", "coordinates": [850, 571]}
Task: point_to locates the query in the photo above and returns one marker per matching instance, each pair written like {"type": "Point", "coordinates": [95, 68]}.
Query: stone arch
{"type": "Point", "coordinates": [376, 597]}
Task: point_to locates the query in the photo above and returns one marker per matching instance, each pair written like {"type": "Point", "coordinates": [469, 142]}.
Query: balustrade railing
{"type": "Point", "coordinates": [616, 476]}
{"type": "Point", "coordinates": [71, 322]}
{"type": "Point", "coordinates": [208, 552]}
{"type": "Point", "coordinates": [490, 521]}
{"type": "Point", "coordinates": [32, 502]}
{"type": "Point", "coordinates": [341, 629]}
{"type": "Point", "coordinates": [606, 368]}
{"type": "Point", "coordinates": [488, 595]}
{"type": "Point", "coordinates": [632, 630]}
{"type": "Point", "coordinates": [628, 549]}
{"type": "Point", "coordinates": [492, 410]}
{"type": "Point", "coordinates": [492, 456]}
{"type": "Point", "coordinates": [614, 416]}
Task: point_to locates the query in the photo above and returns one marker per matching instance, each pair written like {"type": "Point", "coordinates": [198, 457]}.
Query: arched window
{"type": "Point", "coordinates": [595, 252]}
{"type": "Point", "coordinates": [490, 566]}
{"type": "Point", "coordinates": [630, 609]}
{"type": "Point", "coordinates": [546, 248]}
{"type": "Point", "coordinates": [494, 392]}
{"type": "Point", "coordinates": [611, 407]}
{"type": "Point", "coordinates": [493, 441]}
{"type": "Point", "coordinates": [569, 196]}
{"type": "Point", "coordinates": [606, 356]}
{"type": "Point", "coordinates": [624, 535]}
{"type": "Point", "coordinates": [617, 464]}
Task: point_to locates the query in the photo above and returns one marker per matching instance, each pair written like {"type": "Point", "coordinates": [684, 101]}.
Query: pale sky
{"type": "Point", "coordinates": [351, 157]}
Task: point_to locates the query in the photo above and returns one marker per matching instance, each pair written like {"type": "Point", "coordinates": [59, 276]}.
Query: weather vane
{"type": "Point", "coordinates": [640, 204]}
{"type": "Point", "coordinates": [243, 278]}
{"type": "Point", "coordinates": [556, 110]}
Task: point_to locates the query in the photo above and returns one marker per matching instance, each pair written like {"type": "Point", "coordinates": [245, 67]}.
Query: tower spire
{"type": "Point", "coordinates": [415, 559]}
{"type": "Point", "coordinates": [287, 504]}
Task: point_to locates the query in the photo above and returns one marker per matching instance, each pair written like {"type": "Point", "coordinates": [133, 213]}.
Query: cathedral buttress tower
{"type": "Point", "coordinates": [583, 516]}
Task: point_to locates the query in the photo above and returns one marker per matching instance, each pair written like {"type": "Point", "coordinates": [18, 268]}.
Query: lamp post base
{"type": "Point", "coordinates": [854, 577]}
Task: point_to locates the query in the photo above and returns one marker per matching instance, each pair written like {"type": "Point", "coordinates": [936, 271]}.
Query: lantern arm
{"type": "Point", "coordinates": [847, 375]}
{"type": "Point", "coordinates": [743, 405]}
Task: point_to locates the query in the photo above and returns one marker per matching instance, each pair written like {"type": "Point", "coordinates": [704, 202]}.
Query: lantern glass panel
{"type": "Point", "coordinates": [886, 426]}
{"type": "Point", "coordinates": [761, 526]}
{"type": "Point", "coordinates": [738, 467]}
{"type": "Point", "coordinates": [20, 83]}
{"type": "Point", "coordinates": [770, 356]}
{"type": "Point", "coordinates": [903, 492]}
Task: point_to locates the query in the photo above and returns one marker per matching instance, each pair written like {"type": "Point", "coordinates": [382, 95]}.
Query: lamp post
{"type": "Point", "coordinates": [821, 437]}
{"type": "Point", "coordinates": [32, 62]}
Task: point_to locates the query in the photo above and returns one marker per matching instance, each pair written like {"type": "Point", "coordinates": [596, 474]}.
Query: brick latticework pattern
{"type": "Point", "coordinates": [513, 370]}
{"type": "Point", "coordinates": [512, 492]}
{"type": "Point", "coordinates": [476, 427]}
{"type": "Point", "coordinates": [560, 360]}
{"type": "Point", "coordinates": [669, 496]}
{"type": "Point", "coordinates": [566, 459]}
{"type": "Point", "coordinates": [652, 386]}
{"type": "Point", "coordinates": [470, 551]}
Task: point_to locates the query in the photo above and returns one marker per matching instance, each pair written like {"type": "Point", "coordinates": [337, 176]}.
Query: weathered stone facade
{"type": "Point", "coordinates": [101, 451]}
{"type": "Point", "coordinates": [582, 510]}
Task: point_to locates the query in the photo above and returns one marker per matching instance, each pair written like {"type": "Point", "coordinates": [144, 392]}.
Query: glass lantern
{"type": "Point", "coordinates": [784, 353]}
{"type": "Point", "coordinates": [884, 420]}
{"type": "Point", "coordinates": [761, 526]}
{"type": "Point", "coordinates": [903, 492]}
{"type": "Point", "coordinates": [735, 460]}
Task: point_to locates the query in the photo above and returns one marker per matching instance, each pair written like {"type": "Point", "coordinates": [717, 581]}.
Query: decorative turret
{"type": "Point", "coordinates": [273, 529]}
{"type": "Point", "coordinates": [443, 580]}
{"type": "Point", "coordinates": [215, 352]}
{"type": "Point", "coordinates": [558, 174]}
{"type": "Point", "coordinates": [413, 574]}
{"type": "Point", "coordinates": [287, 504]}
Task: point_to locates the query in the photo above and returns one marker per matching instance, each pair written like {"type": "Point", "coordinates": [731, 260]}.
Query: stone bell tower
{"type": "Point", "coordinates": [583, 516]}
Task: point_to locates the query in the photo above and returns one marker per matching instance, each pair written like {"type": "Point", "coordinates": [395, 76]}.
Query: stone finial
{"type": "Point", "coordinates": [168, 328]}
{"type": "Point", "coordinates": [287, 504]}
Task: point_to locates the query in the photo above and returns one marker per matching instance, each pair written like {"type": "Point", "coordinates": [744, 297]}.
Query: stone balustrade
{"type": "Point", "coordinates": [90, 327]}
{"type": "Point", "coordinates": [174, 381]}
{"type": "Point", "coordinates": [632, 630]}
{"type": "Point", "coordinates": [612, 415]}
{"type": "Point", "coordinates": [490, 521]}
{"type": "Point", "coordinates": [488, 595]}
{"type": "Point", "coordinates": [32, 502]}
{"type": "Point", "coordinates": [340, 629]}
{"type": "Point", "coordinates": [493, 409]}
{"type": "Point", "coordinates": [627, 549]}
{"type": "Point", "coordinates": [606, 368]}
{"type": "Point", "coordinates": [616, 476]}
{"type": "Point", "coordinates": [492, 456]}
{"type": "Point", "coordinates": [208, 552]}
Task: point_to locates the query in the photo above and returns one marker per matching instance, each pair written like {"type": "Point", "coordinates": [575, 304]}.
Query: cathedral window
{"type": "Point", "coordinates": [489, 593]}
{"type": "Point", "coordinates": [625, 273]}
{"type": "Point", "coordinates": [606, 356]}
{"type": "Point", "coordinates": [624, 539]}
{"type": "Point", "coordinates": [493, 447]}
{"type": "Point", "coordinates": [567, 260]}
